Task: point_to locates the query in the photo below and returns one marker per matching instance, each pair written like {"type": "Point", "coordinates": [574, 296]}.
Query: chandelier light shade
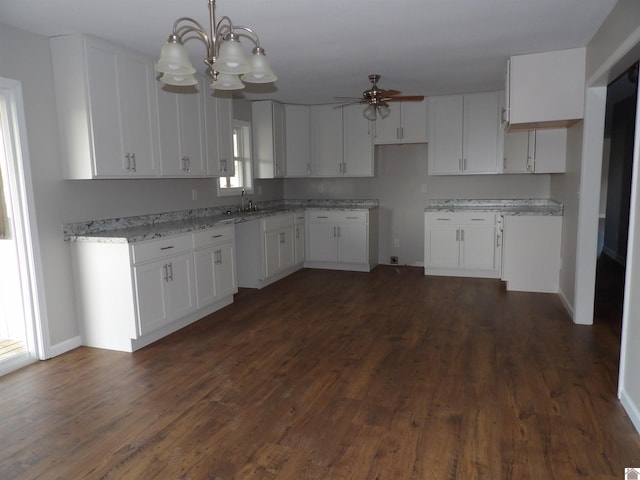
{"type": "Point", "coordinates": [226, 57]}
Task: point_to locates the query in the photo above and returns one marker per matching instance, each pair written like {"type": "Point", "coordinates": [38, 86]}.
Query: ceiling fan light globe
{"type": "Point", "coordinates": [369, 112]}
{"type": "Point", "coordinates": [226, 81]}
{"type": "Point", "coordinates": [261, 71]}
{"type": "Point", "coordinates": [178, 80]}
{"type": "Point", "coordinates": [384, 111]}
{"type": "Point", "coordinates": [232, 58]}
{"type": "Point", "coordinates": [174, 60]}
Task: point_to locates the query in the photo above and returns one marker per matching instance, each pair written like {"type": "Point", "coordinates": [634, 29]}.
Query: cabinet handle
{"type": "Point", "coordinates": [170, 269]}
{"type": "Point", "coordinates": [351, 218]}
{"type": "Point", "coordinates": [457, 235]}
{"type": "Point", "coordinates": [498, 240]}
{"type": "Point", "coordinates": [334, 232]}
{"type": "Point", "coordinates": [128, 158]}
{"type": "Point", "coordinates": [217, 257]}
{"type": "Point", "coordinates": [477, 219]}
{"type": "Point", "coordinates": [443, 219]}
{"type": "Point", "coordinates": [223, 165]}
{"type": "Point", "coordinates": [338, 231]}
{"type": "Point", "coordinates": [344, 168]}
{"type": "Point", "coordinates": [398, 133]}
{"type": "Point", "coordinates": [166, 273]}
{"type": "Point", "coordinates": [133, 161]}
{"type": "Point", "coordinates": [462, 234]}
{"type": "Point", "coordinates": [464, 164]}
{"type": "Point", "coordinates": [167, 248]}
{"type": "Point", "coordinates": [308, 169]}
{"type": "Point", "coordinates": [321, 216]}
{"type": "Point", "coordinates": [185, 164]}
{"type": "Point", "coordinates": [297, 232]}
{"type": "Point", "coordinates": [281, 237]}
{"type": "Point", "coordinates": [218, 236]}
{"type": "Point", "coordinates": [503, 116]}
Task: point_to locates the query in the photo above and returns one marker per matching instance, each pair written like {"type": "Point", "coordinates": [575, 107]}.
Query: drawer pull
{"type": "Point", "coordinates": [352, 218]}
{"type": "Point", "coordinates": [321, 216]}
{"type": "Point", "coordinates": [478, 219]}
{"type": "Point", "coordinates": [167, 248]}
{"type": "Point", "coordinates": [443, 219]}
{"type": "Point", "coordinates": [218, 236]}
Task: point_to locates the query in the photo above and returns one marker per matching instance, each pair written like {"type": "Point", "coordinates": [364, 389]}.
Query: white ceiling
{"type": "Point", "coordinates": [325, 48]}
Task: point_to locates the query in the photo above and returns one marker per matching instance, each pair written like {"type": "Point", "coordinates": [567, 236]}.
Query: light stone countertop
{"type": "Point", "coordinates": [545, 207]}
{"type": "Point", "coordinates": [150, 227]}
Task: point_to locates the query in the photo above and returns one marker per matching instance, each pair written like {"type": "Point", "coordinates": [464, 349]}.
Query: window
{"type": "Point", "coordinates": [243, 177]}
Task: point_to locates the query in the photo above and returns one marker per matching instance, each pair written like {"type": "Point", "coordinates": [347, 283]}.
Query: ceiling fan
{"type": "Point", "coordinates": [377, 99]}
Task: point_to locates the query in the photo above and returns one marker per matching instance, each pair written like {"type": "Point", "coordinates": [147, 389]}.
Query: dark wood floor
{"type": "Point", "coordinates": [335, 375]}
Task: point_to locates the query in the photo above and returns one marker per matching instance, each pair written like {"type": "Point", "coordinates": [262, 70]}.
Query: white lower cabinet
{"type": "Point", "coordinates": [531, 254]}
{"type": "Point", "coordinates": [341, 240]}
{"type": "Point", "coordinates": [130, 295]}
{"type": "Point", "coordinates": [267, 249]}
{"type": "Point", "coordinates": [462, 244]}
{"type": "Point", "coordinates": [215, 265]}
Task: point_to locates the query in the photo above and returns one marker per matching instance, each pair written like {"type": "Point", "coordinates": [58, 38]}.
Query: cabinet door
{"type": "Point", "coordinates": [219, 136]}
{"type": "Point", "coordinates": [181, 295]}
{"type": "Point", "coordinates": [326, 141]}
{"type": "Point", "coordinates": [387, 130]}
{"type": "Point", "coordinates": [106, 123]}
{"type": "Point", "coordinates": [550, 154]}
{"type": "Point", "coordinates": [477, 247]}
{"type": "Point", "coordinates": [413, 121]}
{"type": "Point", "coordinates": [225, 271]}
{"type": "Point", "coordinates": [151, 297]}
{"type": "Point", "coordinates": [358, 143]}
{"type": "Point", "coordinates": [206, 288]}
{"type": "Point", "coordinates": [136, 94]}
{"type": "Point", "coordinates": [353, 243]}
{"type": "Point", "coordinates": [322, 243]}
{"type": "Point", "coordinates": [299, 254]}
{"type": "Point", "coordinates": [297, 141]}
{"type": "Point", "coordinates": [279, 140]}
{"type": "Point", "coordinates": [480, 133]}
{"type": "Point", "coordinates": [271, 253]}
{"type": "Point", "coordinates": [442, 246]}
{"type": "Point", "coordinates": [516, 152]}
{"type": "Point", "coordinates": [445, 145]}
{"type": "Point", "coordinates": [268, 139]}
{"type": "Point", "coordinates": [181, 122]}
{"type": "Point", "coordinates": [286, 248]}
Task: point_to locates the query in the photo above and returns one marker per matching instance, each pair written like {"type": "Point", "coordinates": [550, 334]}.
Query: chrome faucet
{"type": "Point", "coordinates": [242, 195]}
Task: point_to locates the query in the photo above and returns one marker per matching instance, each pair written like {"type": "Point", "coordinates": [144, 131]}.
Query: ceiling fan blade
{"type": "Point", "coordinates": [391, 93]}
{"type": "Point", "coordinates": [406, 98]}
{"type": "Point", "coordinates": [339, 105]}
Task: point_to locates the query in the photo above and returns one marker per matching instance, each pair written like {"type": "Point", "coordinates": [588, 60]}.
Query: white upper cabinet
{"type": "Point", "coordinates": [218, 135]}
{"type": "Point", "coordinates": [465, 137]}
{"type": "Point", "coordinates": [545, 90]}
{"type": "Point", "coordinates": [268, 139]}
{"type": "Point", "coordinates": [326, 141]}
{"type": "Point", "coordinates": [106, 109]}
{"type": "Point", "coordinates": [182, 129]}
{"type": "Point", "coordinates": [406, 123]}
{"type": "Point", "coordinates": [357, 143]}
{"type": "Point", "coordinates": [535, 151]}
{"type": "Point", "coordinates": [297, 141]}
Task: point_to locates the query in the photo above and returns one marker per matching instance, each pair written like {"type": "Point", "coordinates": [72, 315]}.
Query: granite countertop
{"type": "Point", "coordinates": [506, 207]}
{"type": "Point", "coordinates": [149, 227]}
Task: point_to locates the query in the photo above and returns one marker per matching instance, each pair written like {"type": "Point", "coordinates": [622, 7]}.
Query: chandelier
{"type": "Point", "coordinates": [227, 62]}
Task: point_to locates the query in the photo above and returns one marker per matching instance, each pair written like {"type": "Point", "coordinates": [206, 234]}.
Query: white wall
{"type": "Point", "coordinates": [26, 57]}
{"type": "Point", "coordinates": [401, 173]}
{"type": "Point", "coordinates": [564, 188]}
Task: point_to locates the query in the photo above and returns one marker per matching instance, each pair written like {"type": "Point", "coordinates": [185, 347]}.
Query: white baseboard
{"type": "Point", "coordinates": [568, 307]}
{"type": "Point", "coordinates": [631, 408]}
{"type": "Point", "coordinates": [64, 346]}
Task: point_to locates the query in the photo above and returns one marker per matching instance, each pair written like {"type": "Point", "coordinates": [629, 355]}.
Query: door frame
{"type": "Point", "coordinates": [34, 301]}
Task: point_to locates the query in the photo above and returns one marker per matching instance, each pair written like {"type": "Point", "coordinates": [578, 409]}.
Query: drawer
{"type": "Point", "coordinates": [337, 216]}
{"type": "Point", "coordinates": [145, 251]}
{"type": "Point", "coordinates": [460, 218]}
{"type": "Point", "coordinates": [298, 217]}
{"type": "Point", "coordinates": [213, 236]}
{"type": "Point", "coordinates": [276, 222]}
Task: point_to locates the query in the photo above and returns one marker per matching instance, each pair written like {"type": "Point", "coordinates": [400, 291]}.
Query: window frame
{"type": "Point", "coordinates": [242, 159]}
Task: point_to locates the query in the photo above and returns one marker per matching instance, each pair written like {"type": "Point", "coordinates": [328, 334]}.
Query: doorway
{"type": "Point", "coordinates": [18, 293]}
{"type": "Point", "coordinates": [617, 171]}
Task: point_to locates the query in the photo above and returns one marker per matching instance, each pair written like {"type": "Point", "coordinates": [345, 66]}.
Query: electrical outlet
{"type": "Point", "coordinates": [394, 260]}
{"type": "Point", "coordinates": [194, 194]}
{"type": "Point", "coordinates": [396, 242]}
